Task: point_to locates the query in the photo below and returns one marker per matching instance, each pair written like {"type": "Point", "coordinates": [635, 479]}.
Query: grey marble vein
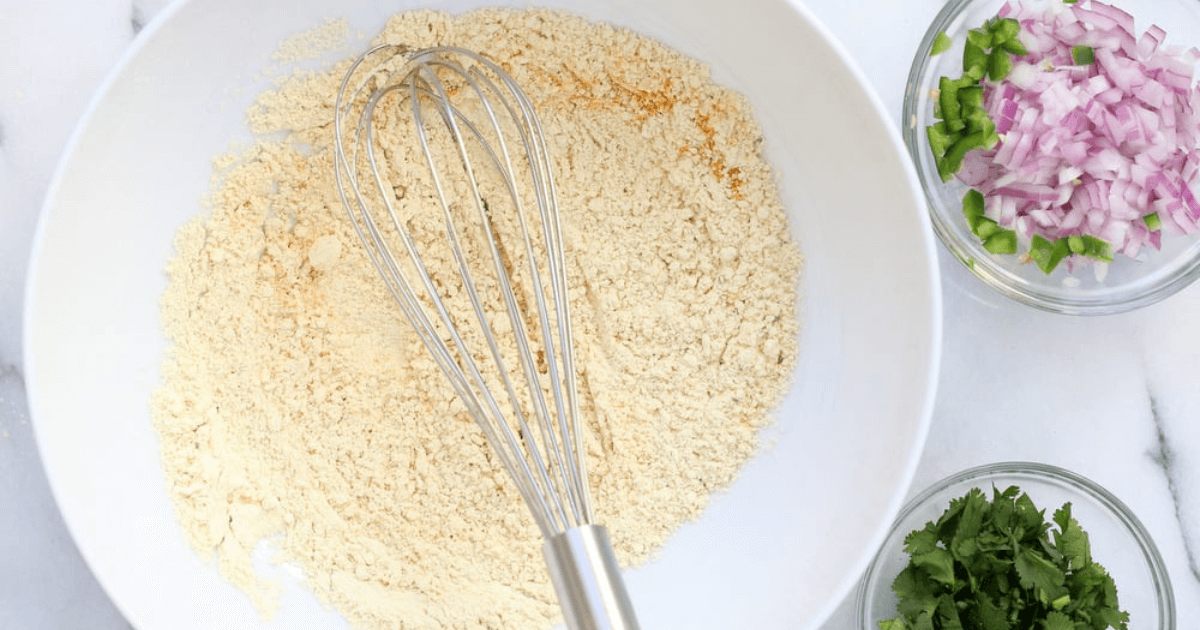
{"type": "Point", "coordinates": [137, 19]}
{"type": "Point", "coordinates": [9, 372]}
{"type": "Point", "coordinates": [1164, 456]}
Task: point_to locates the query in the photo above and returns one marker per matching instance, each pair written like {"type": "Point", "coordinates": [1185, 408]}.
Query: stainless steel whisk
{"type": "Point", "coordinates": [459, 104]}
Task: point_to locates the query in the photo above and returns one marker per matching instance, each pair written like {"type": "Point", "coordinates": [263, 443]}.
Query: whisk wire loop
{"type": "Point", "coordinates": [546, 461]}
{"type": "Point", "coordinates": [533, 141]}
{"type": "Point", "coordinates": [556, 489]}
{"type": "Point", "coordinates": [451, 116]}
{"type": "Point", "coordinates": [381, 255]}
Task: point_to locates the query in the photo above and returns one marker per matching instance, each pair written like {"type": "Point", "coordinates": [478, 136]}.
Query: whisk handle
{"type": "Point", "coordinates": [588, 580]}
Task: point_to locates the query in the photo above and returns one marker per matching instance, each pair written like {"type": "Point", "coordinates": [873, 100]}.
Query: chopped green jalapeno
{"type": "Point", "coordinates": [941, 44]}
{"type": "Point", "coordinates": [1083, 55]}
{"type": "Point", "coordinates": [1046, 253]}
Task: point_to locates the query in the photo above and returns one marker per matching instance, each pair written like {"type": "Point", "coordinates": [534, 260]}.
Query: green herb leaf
{"type": "Point", "coordinates": [924, 621]}
{"type": "Point", "coordinates": [921, 540]}
{"type": "Point", "coordinates": [965, 543]}
{"type": "Point", "coordinates": [1058, 621]}
{"type": "Point", "coordinates": [988, 615]}
{"type": "Point", "coordinates": [938, 564]}
{"type": "Point", "coordinates": [893, 624]}
{"type": "Point", "coordinates": [1028, 517]}
{"type": "Point", "coordinates": [1070, 540]}
{"type": "Point", "coordinates": [947, 614]}
{"type": "Point", "coordinates": [1039, 575]}
{"type": "Point", "coordinates": [998, 564]}
{"type": "Point", "coordinates": [917, 593]}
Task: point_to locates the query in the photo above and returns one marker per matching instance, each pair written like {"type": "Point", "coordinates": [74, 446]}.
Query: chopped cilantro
{"type": "Point", "coordinates": [1000, 565]}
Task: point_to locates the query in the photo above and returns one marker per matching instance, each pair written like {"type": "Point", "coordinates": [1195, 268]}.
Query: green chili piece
{"type": "Point", "coordinates": [1002, 242]}
{"type": "Point", "coordinates": [1039, 248]}
{"type": "Point", "coordinates": [992, 138]}
{"type": "Point", "coordinates": [948, 99]}
{"type": "Point", "coordinates": [980, 37]}
{"type": "Point", "coordinates": [986, 228]}
{"type": "Point", "coordinates": [975, 60]}
{"type": "Point", "coordinates": [941, 44]}
{"type": "Point", "coordinates": [999, 63]}
{"type": "Point", "coordinates": [1061, 250]}
{"type": "Point", "coordinates": [972, 204]}
{"type": "Point", "coordinates": [957, 151]}
{"type": "Point", "coordinates": [1075, 244]}
{"type": "Point", "coordinates": [945, 169]}
{"type": "Point", "coordinates": [1004, 30]}
{"type": "Point", "coordinates": [1047, 254]}
{"type": "Point", "coordinates": [1097, 248]}
{"type": "Point", "coordinates": [1083, 55]}
{"type": "Point", "coordinates": [978, 121]}
{"type": "Point", "coordinates": [1153, 222]}
{"type": "Point", "coordinates": [940, 139]}
{"type": "Point", "coordinates": [1014, 46]}
{"type": "Point", "coordinates": [971, 98]}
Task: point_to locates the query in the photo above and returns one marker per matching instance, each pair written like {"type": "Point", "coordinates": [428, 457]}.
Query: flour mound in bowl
{"type": "Point", "coordinates": [298, 407]}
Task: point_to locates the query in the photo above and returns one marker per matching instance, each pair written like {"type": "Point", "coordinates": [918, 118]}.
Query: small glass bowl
{"type": "Point", "coordinates": [1122, 285]}
{"type": "Point", "coordinates": [1118, 539]}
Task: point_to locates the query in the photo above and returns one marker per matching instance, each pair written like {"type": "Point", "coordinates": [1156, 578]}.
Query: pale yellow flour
{"type": "Point", "coordinates": [331, 36]}
{"type": "Point", "coordinates": [296, 405]}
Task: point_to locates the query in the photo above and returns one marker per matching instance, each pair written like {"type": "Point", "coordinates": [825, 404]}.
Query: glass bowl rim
{"type": "Point", "coordinates": [1079, 483]}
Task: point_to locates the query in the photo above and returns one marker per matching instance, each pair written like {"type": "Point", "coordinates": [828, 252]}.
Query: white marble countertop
{"type": "Point", "coordinates": [1111, 398]}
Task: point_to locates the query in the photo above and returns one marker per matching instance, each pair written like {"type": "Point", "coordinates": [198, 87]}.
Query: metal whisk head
{"type": "Point", "coordinates": [495, 134]}
{"type": "Point", "coordinates": [443, 141]}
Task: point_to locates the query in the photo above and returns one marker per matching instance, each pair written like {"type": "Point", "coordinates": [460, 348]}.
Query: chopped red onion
{"type": "Point", "coordinates": [1092, 149]}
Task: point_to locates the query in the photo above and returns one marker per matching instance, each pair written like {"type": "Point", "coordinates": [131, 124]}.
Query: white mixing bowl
{"type": "Point", "coordinates": [780, 550]}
